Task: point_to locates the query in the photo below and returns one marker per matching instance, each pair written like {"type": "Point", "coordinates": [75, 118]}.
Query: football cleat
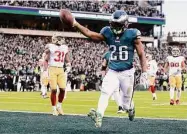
{"type": "Point", "coordinates": [55, 113]}
{"type": "Point", "coordinates": [177, 102]}
{"type": "Point", "coordinates": [60, 111]}
{"type": "Point", "coordinates": [120, 110]}
{"type": "Point", "coordinates": [45, 96]}
{"type": "Point", "coordinates": [154, 98]}
{"type": "Point", "coordinates": [96, 117]}
{"type": "Point", "coordinates": [131, 114]}
{"type": "Point", "coordinates": [171, 102]}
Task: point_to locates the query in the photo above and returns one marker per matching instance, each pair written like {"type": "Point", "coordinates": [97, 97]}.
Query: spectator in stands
{"type": "Point", "coordinates": [147, 9]}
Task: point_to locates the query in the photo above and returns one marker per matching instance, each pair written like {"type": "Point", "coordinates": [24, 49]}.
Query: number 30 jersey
{"type": "Point", "coordinates": [121, 48]}
{"type": "Point", "coordinates": [175, 65]}
{"type": "Point", "coordinates": [57, 54]}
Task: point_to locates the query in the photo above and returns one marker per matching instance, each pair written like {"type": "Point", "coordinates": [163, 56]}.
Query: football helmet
{"type": "Point", "coordinates": [119, 21]}
{"type": "Point", "coordinates": [58, 39]}
{"type": "Point", "coordinates": [175, 51]}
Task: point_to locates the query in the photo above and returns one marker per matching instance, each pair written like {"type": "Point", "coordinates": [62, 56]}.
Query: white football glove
{"type": "Point", "coordinates": [144, 80]}
{"type": "Point", "coordinates": [68, 67]}
{"type": "Point", "coordinates": [74, 22]}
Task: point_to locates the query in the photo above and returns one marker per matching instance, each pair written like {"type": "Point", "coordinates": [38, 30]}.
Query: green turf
{"type": "Point", "coordinates": [81, 102]}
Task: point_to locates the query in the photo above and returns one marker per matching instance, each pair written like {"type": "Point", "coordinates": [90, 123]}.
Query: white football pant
{"type": "Point", "coordinates": [113, 81]}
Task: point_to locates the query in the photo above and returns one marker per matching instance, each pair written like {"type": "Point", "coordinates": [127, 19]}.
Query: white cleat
{"type": "Point", "coordinates": [60, 111]}
{"type": "Point", "coordinates": [55, 113]}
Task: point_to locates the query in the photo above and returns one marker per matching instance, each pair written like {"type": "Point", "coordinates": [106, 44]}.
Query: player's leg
{"type": "Point", "coordinates": [66, 77]}
{"type": "Point", "coordinates": [44, 83]}
{"type": "Point", "coordinates": [61, 80]}
{"type": "Point", "coordinates": [126, 84]}
{"type": "Point", "coordinates": [172, 89]}
{"type": "Point", "coordinates": [53, 85]}
{"type": "Point", "coordinates": [118, 100]}
{"type": "Point", "coordinates": [178, 88]}
{"type": "Point", "coordinates": [110, 83]}
{"type": "Point", "coordinates": [112, 97]}
{"type": "Point", "coordinates": [152, 87]}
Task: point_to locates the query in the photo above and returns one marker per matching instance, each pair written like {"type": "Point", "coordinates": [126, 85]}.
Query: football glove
{"type": "Point", "coordinates": [144, 80]}
{"type": "Point", "coordinates": [74, 22]}
{"type": "Point", "coordinates": [68, 67]}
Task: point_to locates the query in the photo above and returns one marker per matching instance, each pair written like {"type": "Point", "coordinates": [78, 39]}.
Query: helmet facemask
{"type": "Point", "coordinates": [118, 25]}
{"type": "Point", "coordinates": [59, 40]}
{"type": "Point", "coordinates": [175, 52]}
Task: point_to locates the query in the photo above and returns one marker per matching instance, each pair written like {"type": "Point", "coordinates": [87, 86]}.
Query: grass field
{"type": "Point", "coordinates": [80, 103]}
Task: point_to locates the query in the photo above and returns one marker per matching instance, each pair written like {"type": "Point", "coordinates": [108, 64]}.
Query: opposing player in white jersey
{"type": "Point", "coordinates": [151, 73]}
{"type": "Point", "coordinates": [44, 78]}
{"type": "Point", "coordinates": [175, 64]}
{"type": "Point", "coordinates": [57, 52]}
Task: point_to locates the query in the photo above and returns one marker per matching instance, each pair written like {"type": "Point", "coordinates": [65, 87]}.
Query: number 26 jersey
{"type": "Point", "coordinates": [121, 48]}
{"type": "Point", "coordinates": [57, 54]}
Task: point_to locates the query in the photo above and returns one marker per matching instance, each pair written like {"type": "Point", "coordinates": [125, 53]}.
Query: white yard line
{"type": "Point", "coordinates": [76, 105]}
{"type": "Point", "coordinates": [149, 118]}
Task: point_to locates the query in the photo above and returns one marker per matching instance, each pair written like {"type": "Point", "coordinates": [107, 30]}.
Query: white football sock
{"type": "Point", "coordinates": [172, 92]}
{"type": "Point", "coordinates": [54, 107]}
{"type": "Point", "coordinates": [178, 94]}
{"type": "Point", "coordinates": [154, 95]}
{"type": "Point", "coordinates": [43, 90]}
{"type": "Point", "coordinates": [59, 105]}
{"type": "Point", "coordinates": [103, 103]}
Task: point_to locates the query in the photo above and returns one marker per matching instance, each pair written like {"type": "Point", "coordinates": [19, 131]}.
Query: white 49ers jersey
{"type": "Point", "coordinates": [152, 68]}
{"type": "Point", "coordinates": [175, 65]}
{"type": "Point", "coordinates": [57, 55]}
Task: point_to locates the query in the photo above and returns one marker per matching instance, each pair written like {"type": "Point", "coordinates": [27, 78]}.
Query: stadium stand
{"type": "Point", "coordinates": [24, 36]}
{"type": "Point", "coordinates": [137, 8]}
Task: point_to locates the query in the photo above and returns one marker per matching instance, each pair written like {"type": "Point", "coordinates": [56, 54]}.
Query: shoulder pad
{"type": "Point", "coordinates": [106, 31]}
{"type": "Point", "coordinates": [135, 32]}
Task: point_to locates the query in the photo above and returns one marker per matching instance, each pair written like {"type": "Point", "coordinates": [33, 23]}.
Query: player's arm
{"type": "Point", "coordinates": [141, 53]}
{"type": "Point", "coordinates": [166, 66]}
{"type": "Point", "coordinates": [68, 62]}
{"type": "Point", "coordinates": [155, 67]}
{"type": "Point", "coordinates": [183, 65]}
{"type": "Point", "coordinates": [88, 33]}
{"type": "Point", "coordinates": [47, 53]}
{"type": "Point", "coordinates": [104, 67]}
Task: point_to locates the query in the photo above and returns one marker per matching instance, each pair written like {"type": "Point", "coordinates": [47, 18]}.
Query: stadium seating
{"type": "Point", "coordinates": [147, 9]}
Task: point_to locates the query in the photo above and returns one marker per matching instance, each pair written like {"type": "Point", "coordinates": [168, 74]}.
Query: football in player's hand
{"type": "Point", "coordinates": [66, 17]}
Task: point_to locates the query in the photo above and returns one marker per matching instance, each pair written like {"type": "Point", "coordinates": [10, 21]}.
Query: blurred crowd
{"type": "Point", "coordinates": [138, 8]}
{"type": "Point", "coordinates": [19, 56]}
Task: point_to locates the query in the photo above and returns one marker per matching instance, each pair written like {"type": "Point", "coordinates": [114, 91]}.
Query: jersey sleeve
{"type": "Point", "coordinates": [106, 56]}
{"type": "Point", "coordinates": [167, 59]}
{"type": "Point", "coordinates": [67, 49]}
{"type": "Point", "coordinates": [105, 31]}
{"type": "Point", "coordinates": [47, 46]}
{"type": "Point", "coordinates": [136, 34]}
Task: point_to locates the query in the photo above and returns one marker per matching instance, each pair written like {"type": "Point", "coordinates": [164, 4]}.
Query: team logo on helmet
{"type": "Point", "coordinates": [119, 21]}
{"type": "Point", "coordinates": [58, 39]}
